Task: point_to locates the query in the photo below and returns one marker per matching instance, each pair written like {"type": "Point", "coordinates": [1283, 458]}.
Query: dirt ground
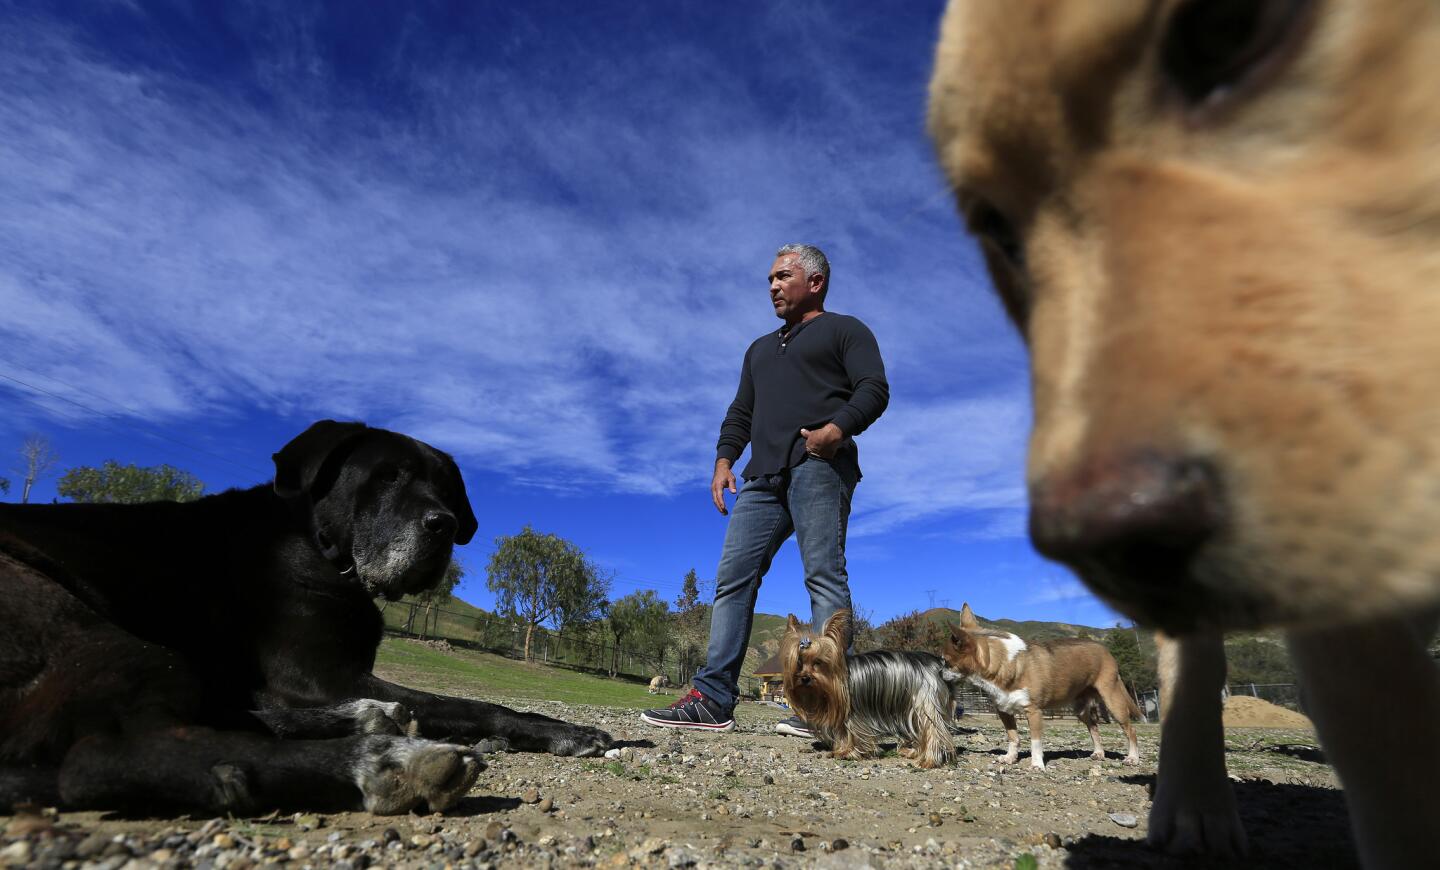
{"type": "Point", "coordinates": [752, 798]}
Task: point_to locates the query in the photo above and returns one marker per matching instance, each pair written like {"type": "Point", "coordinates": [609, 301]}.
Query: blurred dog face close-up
{"type": "Point", "coordinates": [1217, 225]}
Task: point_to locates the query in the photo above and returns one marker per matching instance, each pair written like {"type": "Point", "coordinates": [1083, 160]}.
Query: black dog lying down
{"type": "Point", "coordinates": [153, 654]}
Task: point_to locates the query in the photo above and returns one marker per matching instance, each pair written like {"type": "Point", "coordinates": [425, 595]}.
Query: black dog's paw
{"type": "Point", "coordinates": [230, 789]}
{"type": "Point", "coordinates": [398, 774]}
{"type": "Point", "coordinates": [580, 741]}
{"type": "Point", "coordinates": [492, 744]}
{"type": "Point", "coordinates": [380, 717]}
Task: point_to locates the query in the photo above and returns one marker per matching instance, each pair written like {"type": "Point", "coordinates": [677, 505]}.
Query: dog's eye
{"type": "Point", "coordinates": [1212, 45]}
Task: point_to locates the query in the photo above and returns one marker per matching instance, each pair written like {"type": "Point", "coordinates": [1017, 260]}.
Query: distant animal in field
{"type": "Point", "coordinates": [156, 654]}
{"type": "Point", "coordinates": [658, 682]}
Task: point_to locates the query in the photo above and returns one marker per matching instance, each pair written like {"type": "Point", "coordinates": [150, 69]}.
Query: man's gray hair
{"type": "Point", "coordinates": [811, 258]}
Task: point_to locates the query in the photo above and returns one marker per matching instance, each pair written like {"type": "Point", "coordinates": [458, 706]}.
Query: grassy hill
{"type": "Point", "coordinates": [476, 674]}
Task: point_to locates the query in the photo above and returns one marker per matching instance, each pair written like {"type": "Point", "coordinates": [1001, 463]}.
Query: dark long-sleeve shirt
{"type": "Point", "coordinates": [827, 369]}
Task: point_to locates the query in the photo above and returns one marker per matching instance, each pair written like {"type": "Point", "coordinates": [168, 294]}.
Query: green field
{"type": "Point", "coordinates": [484, 675]}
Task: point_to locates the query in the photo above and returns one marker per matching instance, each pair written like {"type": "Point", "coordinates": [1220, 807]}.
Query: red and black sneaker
{"type": "Point", "coordinates": [692, 711]}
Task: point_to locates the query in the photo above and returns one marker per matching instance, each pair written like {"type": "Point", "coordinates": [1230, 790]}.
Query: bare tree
{"type": "Point", "coordinates": [40, 456]}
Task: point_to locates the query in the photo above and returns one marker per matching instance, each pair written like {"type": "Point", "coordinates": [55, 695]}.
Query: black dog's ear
{"type": "Point", "coordinates": [298, 463]}
{"type": "Point", "coordinates": [458, 502]}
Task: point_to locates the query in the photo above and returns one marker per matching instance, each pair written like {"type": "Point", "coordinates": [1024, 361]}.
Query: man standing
{"type": "Point", "coordinates": [805, 392]}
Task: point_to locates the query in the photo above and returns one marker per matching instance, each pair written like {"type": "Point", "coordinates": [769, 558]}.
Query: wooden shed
{"type": "Point", "coordinates": [771, 687]}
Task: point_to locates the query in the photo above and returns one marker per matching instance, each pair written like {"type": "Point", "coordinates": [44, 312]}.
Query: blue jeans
{"type": "Point", "coordinates": [812, 500]}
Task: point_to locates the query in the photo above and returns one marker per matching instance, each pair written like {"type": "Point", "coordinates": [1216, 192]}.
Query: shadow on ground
{"type": "Point", "coordinates": [1288, 826]}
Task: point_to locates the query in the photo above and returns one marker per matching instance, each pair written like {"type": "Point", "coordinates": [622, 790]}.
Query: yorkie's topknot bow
{"type": "Point", "coordinates": [805, 642]}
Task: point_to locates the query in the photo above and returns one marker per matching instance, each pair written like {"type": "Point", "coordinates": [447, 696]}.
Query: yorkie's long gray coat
{"type": "Point", "coordinates": [854, 701]}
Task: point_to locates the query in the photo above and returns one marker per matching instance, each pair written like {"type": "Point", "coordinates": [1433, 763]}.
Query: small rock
{"type": "Point", "coordinates": [769, 780]}
{"type": "Point", "coordinates": [15, 854]}
{"type": "Point", "coordinates": [422, 841]}
{"type": "Point", "coordinates": [1052, 840]}
{"type": "Point", "coordinates": [160, 856]}
{"type": "Point", "coordinates": [308, 822]}
{"type": "Point", "coordinates": [612, 753]}
{"type": "Point", "coordinates": [935, 820]}
{"type": "Point", "coordinates": [839, 844]}
{"type": "Point", "coordinates": [1124, 820]}
{"type": "Point", "coordinates": [493, 831]}
{"type": "Point", "coordinates": [91, 845]}
{"type": "Point", "coordinates": [1096, 772]}
{"type": "Point", "coordinates": [653, 846]}
{"type": "Point", "coordinates": [298, 853]}
{"type": "Point", "coordinates": [797, 844]}
{"type": "Point", "coordinates": [391, 835]}
{"type": "Point", "coordinates": [223, 841]}
{"type": "Point", "coordinates": [474, 847]}
{"type": "Point", "coordinates": [530, 796]}
{"type": "Point", "coordinates": [547, 805]}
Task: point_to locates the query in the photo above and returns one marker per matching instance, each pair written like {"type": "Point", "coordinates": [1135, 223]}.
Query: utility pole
{"type": "Point", "coordinates": [931, 593]}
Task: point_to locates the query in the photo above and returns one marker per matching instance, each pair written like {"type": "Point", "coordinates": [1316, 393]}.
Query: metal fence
{"type": "Point", "coordinates": [593, 653]}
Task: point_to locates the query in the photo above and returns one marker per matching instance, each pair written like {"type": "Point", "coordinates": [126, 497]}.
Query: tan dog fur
{"type": "Point", "coordinates": [1030, 678]}
{"type": "Point", "coordinates": [1250, 278]}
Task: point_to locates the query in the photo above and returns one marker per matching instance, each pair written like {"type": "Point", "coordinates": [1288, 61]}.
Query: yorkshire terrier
{"type": "Point", "coordinates": [852, 701]}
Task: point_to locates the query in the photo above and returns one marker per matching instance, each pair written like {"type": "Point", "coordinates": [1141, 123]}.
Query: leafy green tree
{"type": "Point", "coordinates": [114, 483]}
{"type": "Point", "coordinates": [1136, 670]}
{"type": "Point", "coordinates": [641, 622]}
{"type": "Point", "coordinates": [539, 578]}
{"type": "Point", "coordinates": [1253, 660]}
{"type": "Point", "coordinates": [692, 625]}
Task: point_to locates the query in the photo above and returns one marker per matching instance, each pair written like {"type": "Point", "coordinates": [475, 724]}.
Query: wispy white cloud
{"type": "Point", "coordinates": [550, 269]}
{"type": "Point", "coordinates": [1058, 588]}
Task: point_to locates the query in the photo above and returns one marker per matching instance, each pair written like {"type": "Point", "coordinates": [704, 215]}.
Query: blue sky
{"type": "Point", "coordinates": [534, 236]}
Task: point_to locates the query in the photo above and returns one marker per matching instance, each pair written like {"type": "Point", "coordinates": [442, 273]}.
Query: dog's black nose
{"type": "Point", "coordinates": [440, 523]}
{"type": "Point", "coordinates": [1141, 517]}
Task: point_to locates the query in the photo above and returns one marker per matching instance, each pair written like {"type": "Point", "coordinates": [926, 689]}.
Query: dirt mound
{"type": "Point", "coordinates": [1243, 711]}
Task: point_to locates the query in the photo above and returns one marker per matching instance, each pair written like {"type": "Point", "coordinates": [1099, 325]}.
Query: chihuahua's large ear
{"type": "Point", "coordinates": [457, 501]}
{"type": "Point", "coordinates": [837, 628]}
{"type": "Point", "coordinates": [298, 464]}
{"type": "Point", "coordinates": [958, 636]}
{"type": "Point", "coordinates": [967, 617]}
